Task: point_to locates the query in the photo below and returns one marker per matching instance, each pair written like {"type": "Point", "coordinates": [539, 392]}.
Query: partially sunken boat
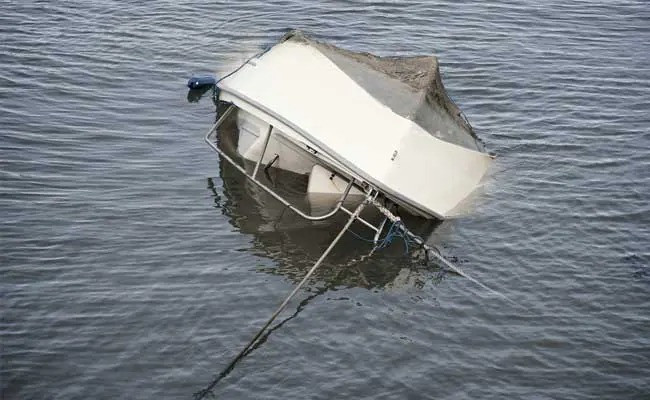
{"type": "Point", "coordinates": [379, 129]}
{"type": "Point", "coordinates": [381, 124]}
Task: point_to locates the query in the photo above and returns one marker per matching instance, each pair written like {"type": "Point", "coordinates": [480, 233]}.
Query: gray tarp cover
{"type": "Point", "coordinates": [410, 86]}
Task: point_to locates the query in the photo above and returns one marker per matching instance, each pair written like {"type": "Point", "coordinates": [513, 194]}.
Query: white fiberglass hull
{"type": "Point", "coordinates": [286, 153]}
{"type": "Point", "coordinates": [325, 108]}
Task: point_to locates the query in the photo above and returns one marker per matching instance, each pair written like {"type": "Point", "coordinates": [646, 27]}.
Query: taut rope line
{"type": "Point", "coordinates": [201, 394]}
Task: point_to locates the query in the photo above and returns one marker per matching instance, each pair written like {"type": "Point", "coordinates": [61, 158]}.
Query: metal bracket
{"type": "Point", "coordinates": [270, 164]}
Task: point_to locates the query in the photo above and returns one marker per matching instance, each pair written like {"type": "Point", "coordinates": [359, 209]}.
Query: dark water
{"type": "Point", "coordinates": [134, 265]}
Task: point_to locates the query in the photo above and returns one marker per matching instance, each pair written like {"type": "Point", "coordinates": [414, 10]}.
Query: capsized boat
{"type": "Point", "coordinates": [384, 123]}
{"type": "Point", "coordinates": [381, 128]}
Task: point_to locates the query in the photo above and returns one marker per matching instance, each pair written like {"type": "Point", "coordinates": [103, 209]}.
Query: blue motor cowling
{"type": "Point", "coordinates": [197, 82]}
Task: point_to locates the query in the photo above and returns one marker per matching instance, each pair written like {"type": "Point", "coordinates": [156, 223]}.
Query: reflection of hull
{"type": "Point", "coordinates": [295, 243]}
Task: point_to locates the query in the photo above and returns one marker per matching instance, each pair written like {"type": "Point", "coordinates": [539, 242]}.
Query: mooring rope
{"type": "Point", "coordinates": [396, 230]}
{"type": "Point", "coordinates": [432, 250]}
{"type": "Point", "coordinates": [201, 394]}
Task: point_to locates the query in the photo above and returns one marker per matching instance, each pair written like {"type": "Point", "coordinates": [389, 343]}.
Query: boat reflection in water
{"type": "Point", "coordinates": [194, 95]}
{"type": "Point", "coordinates": [295, 243]}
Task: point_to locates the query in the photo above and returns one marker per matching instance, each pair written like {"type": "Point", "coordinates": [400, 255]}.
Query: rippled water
{"type": "Point", "coordinates": [134, 265]}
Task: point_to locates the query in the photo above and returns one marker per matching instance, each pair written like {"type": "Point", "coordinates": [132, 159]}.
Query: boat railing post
{"type": "Point", "coordinates": [379, 229]}
{"type": "Point", "coordinates": [266, 143]}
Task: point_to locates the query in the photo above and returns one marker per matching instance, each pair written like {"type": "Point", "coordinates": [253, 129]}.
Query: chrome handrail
{"type": "Point", "coordinates": [286, 203]}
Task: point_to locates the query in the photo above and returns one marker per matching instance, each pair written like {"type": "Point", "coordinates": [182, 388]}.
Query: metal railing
{"type": "Point", "coordinates": [210, 140]}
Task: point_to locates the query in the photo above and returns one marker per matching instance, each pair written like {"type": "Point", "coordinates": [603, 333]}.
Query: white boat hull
{"type": "Point", "coordinates": [298, 87]}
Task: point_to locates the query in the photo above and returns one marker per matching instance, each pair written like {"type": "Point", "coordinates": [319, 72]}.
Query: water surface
{"type": "Point", "coordinates": [134, 265]}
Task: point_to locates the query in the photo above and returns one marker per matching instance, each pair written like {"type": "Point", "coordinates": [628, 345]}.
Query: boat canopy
{"type": "Point", "coordinates": [388, 120]}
